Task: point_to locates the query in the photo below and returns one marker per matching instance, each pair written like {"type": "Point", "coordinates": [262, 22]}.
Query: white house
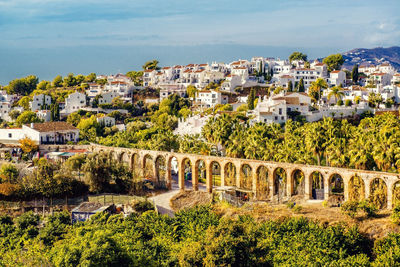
{"type": "Point", "coordinates": [42, 133]}
{"type": "Point", "coordinates": [106, 121]}
{"type": "Point", "coordinates": [337, 77]}
{"type": "Point", "coordinates": [106, 98]}
{"type": "Point", "coordinates": [40, 102]}
{"type": "Point", "coordinates": [191, 125]}
{"type": "Point", "coordinates": [44, 115]}
{"type": "Point", "coordinates": [230, 83]}
{"type": "Point", "coordinates": [74, 102]}
{"type": "Point", "coordinates": [123, 89]}
{"type": "Point", "coordinates": [210, 98]}
{"type": "Point", "coordinates": [381, 79]}
{"type": "Point", "coordinates": [276, 109]}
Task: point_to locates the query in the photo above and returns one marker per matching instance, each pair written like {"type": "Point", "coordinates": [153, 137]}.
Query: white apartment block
{"type": "Point", "coordinates": [40, 102]}
{"type": "Point", "coordinates": [106, 121]}
{"type": "Point", "coordinates": [308, 75]}
{"type": "Point", "coordinates": [44, 115]}
{"type": "Point", "coordinates": [210, 98]}
{"type": "Point", "coordinates": [396, 79]}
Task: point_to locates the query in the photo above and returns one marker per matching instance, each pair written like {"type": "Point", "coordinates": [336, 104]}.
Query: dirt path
{"type": "Point", "coordinates": [163, 201]}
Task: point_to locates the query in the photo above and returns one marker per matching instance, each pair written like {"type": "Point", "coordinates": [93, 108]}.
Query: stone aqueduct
{"type": "Point", "coordinates": [137, 159]}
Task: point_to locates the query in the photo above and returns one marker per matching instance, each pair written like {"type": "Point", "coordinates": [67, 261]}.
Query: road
{"type": "Point", "coordinates": [162, 201]}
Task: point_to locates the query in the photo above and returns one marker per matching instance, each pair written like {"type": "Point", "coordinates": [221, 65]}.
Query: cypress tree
{"type": "Point", "coordinates": [354, 74]}
{"type": "Point", "coordinates": [290, 86]}
{"type": "Point", "coordinates": [250, 99]}
{"type": "Point", "coordinates": [300, 87]}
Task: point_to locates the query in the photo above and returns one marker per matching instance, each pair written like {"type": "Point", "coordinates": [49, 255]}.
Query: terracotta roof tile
{"type": "Point", "coordinates": [53, 126]}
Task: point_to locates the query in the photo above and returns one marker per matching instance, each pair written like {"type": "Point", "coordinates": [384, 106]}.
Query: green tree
{"type": "Point", "coordinates": [300, 86]}
{"type": "Point", "coordinates": [334, 62]}
{"type": "Point", "coordinates": [24, 102]}
{"type": "Point", "coordinates": [336, 92]}
{"type": "Point", "coordinates": [8, 173]}
{"type": "Point", "coordinates": [297, 56]}
{"type": "Point", "coordinates": [354, 74]}
{"type": "Point", "coordinates": [27, 117]}
{"type": "Point", "coordinates": [290, 86]}
{"type": "Point", "coordinates": [74, 118]}
{"type": "Point", "coordinates": [191, 91]}
{"type": "Point", "coordinates": [315, 88]}
{"type": "Point", "coordinates": [136, 77]}
{"type": "Point", "coordinates": [69, 80]}
{"type": "Point", "coordinates": [14, 114]}
{"type": "Point", "coordinates": [55, 112]}
{"type": "Point", "coordinates": [43, 85]}
{"type": "Point", "coordinates": [90, 77]}
{"type": "Point", "coordinates": [250, 99]}
{"type": "Point", "coordinates": [58, 81]}
{"type": "Point", "coordinates": [23, 86]}
{"type": "Point", "coordinates": [151, 65]}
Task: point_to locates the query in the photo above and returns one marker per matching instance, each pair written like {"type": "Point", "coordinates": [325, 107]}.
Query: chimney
{"type": "Point", "coordinates": [32, 124]}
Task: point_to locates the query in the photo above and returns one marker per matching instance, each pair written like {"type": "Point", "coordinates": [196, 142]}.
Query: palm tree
{"type": "Point", "coordinates": [316, 87]}
{"type": "Point", "coordinates": [336, 92]}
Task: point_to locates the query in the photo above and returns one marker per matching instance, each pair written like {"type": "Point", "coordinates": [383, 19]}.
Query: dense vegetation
{"type": "Point", "coordinates": [79, 175]}
{"type": "Point", "coordinates": [370, 143]}
{"type": "Point", "coordinates": [192, 238]}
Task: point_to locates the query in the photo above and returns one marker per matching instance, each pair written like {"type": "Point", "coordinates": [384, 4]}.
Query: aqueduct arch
{"type": "Point", "coordinates": [283, 179]}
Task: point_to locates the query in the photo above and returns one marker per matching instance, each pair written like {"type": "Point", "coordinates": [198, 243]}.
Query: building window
{"type": "Point", "coordinates": [280, 111]}
{"type": "Point", "coordinates": [9, 135]}
{"type": "Point", "coordinates": [282, 118]}
{"type": "Point", "coordinates": [276, 118]}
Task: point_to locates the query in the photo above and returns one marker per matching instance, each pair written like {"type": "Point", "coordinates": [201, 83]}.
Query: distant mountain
{"type": "Point", "coordinates": [375, 56]}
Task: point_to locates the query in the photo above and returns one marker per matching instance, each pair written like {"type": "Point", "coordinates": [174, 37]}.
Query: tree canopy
{"type": "Point", "coordinates": [334, 62]}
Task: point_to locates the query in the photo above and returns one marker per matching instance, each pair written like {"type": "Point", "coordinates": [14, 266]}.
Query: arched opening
{"type": "Point", "coordinates": [173, 168]}
{"type": "Point", "coordinates": [262, 192]}
{"type": "Point", "coordinates": [356, 188]}
{"type": "Point", "coordinates": [280, 182]}
{"type": "Point", "coordinates": [378, 193]}
{"type": "Point", "coordinates": [186, 166]}
{"type": "Point", "coordinates": [135, 163]}
{"type": "Point", "coordinates": [230, 174]}
{"type": "Point", "coordinates": [201, 171]}
{"type": "Point", "coordinates": [336, 189]}
{"type": "Point", "coordinates": [161, 172]}
{"type": "Point", "coordinates": [298, 183]}
{"type": "Point", "coordinates": [317, 181]}
{"type": "Point", "coordinates": [135, 167]}
{"type": "Point", "coordinates": [148, 168]}
{"type": "Point", "coordinates": [124, 158]}
{"type": "Point", "coordinates": [246, 180]}
{"type": "Point", "coordinates": [216, 173]}
{"type": "Point", "coordinates": [396, 194]}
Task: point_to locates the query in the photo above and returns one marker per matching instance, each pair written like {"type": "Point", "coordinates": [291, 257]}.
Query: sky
{"type": "Point", "coordinates": [51, 37]}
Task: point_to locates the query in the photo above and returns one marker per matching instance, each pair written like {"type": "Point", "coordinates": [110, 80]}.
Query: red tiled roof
{"type": "Point", "coordinates": [335, 71]}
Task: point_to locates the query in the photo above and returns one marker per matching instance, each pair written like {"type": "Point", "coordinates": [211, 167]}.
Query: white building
{"type": "Point", "coordinates": [40, 102]}
{"type": "Point", "coordinates": [42, 133]}
{"type": "Point", "coordinates": [381, 79]}
{"type": "Point", "coordinates": [210, 98]}
{"type": "Point", "coordinates": [308, 75]}
{"type": "Point", "coordinates": [230, 83]}
{"type": "Point", "coordinates": [191, 125]}
{"type": "Point", "coordinates": [123, 89]}
{"type": "Point", "coordinates": [44, 115]}
{"type": "Point", "coordinates": [106, 98]}
{"type": "Point", "coordinates": [276, 109]}
{"type": "Point", "coordinates": [74, 102]}
{"type": "Point", "coordinates": [337, 77]}
{"type": "Point", "coordinates": [106, 121]}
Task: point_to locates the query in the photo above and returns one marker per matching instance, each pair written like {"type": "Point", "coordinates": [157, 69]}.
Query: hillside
{"type": "Point", "coordinates": [372, 56]}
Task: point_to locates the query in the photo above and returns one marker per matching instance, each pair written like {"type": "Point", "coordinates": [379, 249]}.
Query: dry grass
{"type": "Point", "coordinates": [372, 227]}
{"type": "Point", "coordinates": [189, 199]}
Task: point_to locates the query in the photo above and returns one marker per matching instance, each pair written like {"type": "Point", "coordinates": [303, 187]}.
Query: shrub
{"type": "Point", "coordinates": [290, 204]}
{"type": "Point", "coordinates": [325, 204]}
{"type": "Point", "coordinates": [395, 217]}
{"type": "Point", "coordinates": [349, 208]}
{"type": "Point", "coordinates": [143, 206]}
{"type": "Point", "coordinates": [297, 209]}
{"type": "Point", "coordinates": [368, 207]}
